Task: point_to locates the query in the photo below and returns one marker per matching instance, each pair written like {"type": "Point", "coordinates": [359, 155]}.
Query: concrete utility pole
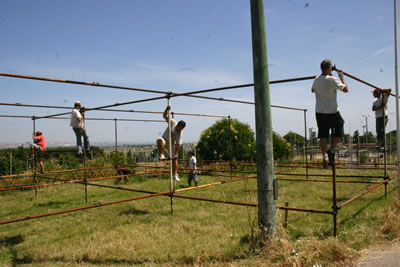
{"type": "Point", "coordinates": [366, 125]}
{"type": "Point", "coordinates": [265, 155]}
{"type": "Point", "coordinates": [397, 101]}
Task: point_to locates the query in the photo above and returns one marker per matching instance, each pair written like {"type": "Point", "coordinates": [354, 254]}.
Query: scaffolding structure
{"type": "Point", "coordinates": [172, 193]}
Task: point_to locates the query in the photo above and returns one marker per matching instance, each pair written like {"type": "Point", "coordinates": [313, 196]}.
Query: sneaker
{"type": "Point", "coordinates": [381, 149]}
{"type": "Point", "coordinates": [325, 161]}
{"type": "Point", "coordinates": [176, 178]}
{"type": "Point", "coordinates": [162, 157]}
{"type": "Point", "coordinates": [325, 164]}
{"type": "Point", "coordinates": [331, 156]}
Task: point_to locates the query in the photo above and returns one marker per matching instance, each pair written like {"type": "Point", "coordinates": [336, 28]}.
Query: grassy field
{"type": "Point", "coordinates": [144, 232]}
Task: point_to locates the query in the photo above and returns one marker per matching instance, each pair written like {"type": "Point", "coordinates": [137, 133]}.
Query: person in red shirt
{"type": "Point", "coordinates": [40, 144]}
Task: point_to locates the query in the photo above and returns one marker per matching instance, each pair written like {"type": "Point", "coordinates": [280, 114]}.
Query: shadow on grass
{"type": "Point", "coordinates": [51, 204]}
{"type": "Point", "coordinates": [11, 241]}
{"type": "Point", "coordinates": [17, 260]}
{"type": "Point", "coordinates": [364, 207]}
{"type": "Point", "coordinates": [133, 211]}
{"type": "Point", "coordinates": [357, 213]}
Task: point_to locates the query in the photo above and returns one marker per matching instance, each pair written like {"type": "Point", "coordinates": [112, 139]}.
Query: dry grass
{"type": "Point", "coordinates": [199, 233]}
{"type": "Point", "coordinates": [391, 222]}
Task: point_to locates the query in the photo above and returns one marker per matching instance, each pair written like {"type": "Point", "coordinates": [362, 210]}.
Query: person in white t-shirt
{"type": "Point", "coordinates": [381, 115]}
{"type": "Point", "coordinates": [176, 142]}
{"type": "Point", "coordinates": [192, 176]}
{"type": "Point", "coordinates": [325, 87]}
{"type": "Point", "coordinates": [78, 125]}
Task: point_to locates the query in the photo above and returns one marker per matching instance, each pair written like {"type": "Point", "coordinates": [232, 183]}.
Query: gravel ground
{"type": "Point", "coordinates": [382, 257]}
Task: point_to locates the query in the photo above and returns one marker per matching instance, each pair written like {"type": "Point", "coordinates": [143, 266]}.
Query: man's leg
{"type": "Point", "coordinates": [85, 139]}
{"type": "Point", "coordinates": [334, 142]}
{"type": "Point", "coordinates": [161, 147]}
{"type": "Point", "coordinates": [323, 143]}
{"type": "Point", "coordinates": [78, 139]}
{"type": "Point", "coordinates": [41, 166]}
{"type": "Point", "coordinates": [174, 166]}
{"type": "Point", "coordinates": [190, 178]}
{"type": "Point", "coordinates": [175, 170]}
{"type": "Point", "coordinates": [32, 150]}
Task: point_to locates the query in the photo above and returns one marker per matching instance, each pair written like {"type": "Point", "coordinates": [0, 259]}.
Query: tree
{"type": "Point", "coordinates": [282, 149]}
{"type": "Point", "coordinates": [294, 139]}
{"type": "Point", "coordinates": [215, 142]}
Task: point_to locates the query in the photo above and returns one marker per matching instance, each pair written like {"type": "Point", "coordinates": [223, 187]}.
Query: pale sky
{"type": "Point", "coordinates": [181, 46]}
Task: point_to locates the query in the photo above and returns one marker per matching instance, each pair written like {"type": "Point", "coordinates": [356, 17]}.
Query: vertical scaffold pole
{"type": "Point", "coordinates": [385, 157]}
{"type": "Point", "coordinates": [170, 156]}
{"type": "Point", "coordinates": [305, 141]}
{"type": "Point", "coordinates": [334, 200]}
{"type": "Point", "coordinates": [265, 156]}
{"type": "Point", "coordinates": [34, 157]}
{"type": "Point", "coordinates": [230, 144]}
{"type": "Point", "coordinates": [84, 165]}
{"type": "Point", "coordinates": [116, 143]}
{"type": "Point", "coordinates": [85, 177]}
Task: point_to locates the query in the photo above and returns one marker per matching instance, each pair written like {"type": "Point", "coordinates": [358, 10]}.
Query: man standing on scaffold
{"type": "Point", "coordinates": [381, 115]}
{"type": "Point", "coordinates": [78, 125]}
{"type": "Point", "coordinates": [328, 117]}
{"type": "Point", "coordinates": [176, 135]}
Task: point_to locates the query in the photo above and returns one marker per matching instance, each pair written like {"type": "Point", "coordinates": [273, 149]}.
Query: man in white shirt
{"type": "Point", "coordinates": [176, 135]}
{"type": "Point", "coordinates": [328, 117]}
{"type": "Point", "coordinates": [78, 125]}
{"type": "Point", "coordinates": [381, 115]}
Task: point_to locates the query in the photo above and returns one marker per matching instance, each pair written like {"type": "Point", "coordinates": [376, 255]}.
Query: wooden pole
{"type": "Point", "coordinates": [286, 215]}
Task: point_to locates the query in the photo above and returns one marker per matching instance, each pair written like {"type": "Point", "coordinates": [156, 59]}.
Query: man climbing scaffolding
{"type": "Point", "coordinates": [328, 117]}
{"type": "Point", "coordinates": [176, 136]}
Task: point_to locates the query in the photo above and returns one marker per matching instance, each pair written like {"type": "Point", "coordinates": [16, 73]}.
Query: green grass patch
{"type": "Point", "coordinates": [198, 232]}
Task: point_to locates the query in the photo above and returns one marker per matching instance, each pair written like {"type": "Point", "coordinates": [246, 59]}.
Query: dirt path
{"type": "Point", "coordinates": [383, 257]}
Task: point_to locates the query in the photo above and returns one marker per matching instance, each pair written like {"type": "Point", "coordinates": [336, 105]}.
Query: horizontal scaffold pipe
{"type": "Point", "coordinates": [168, 94]}
{"type": "Point", "coordinates": [168, 193]}
{"type": "Point", "coordinates": [97, 205]}
{"type": "Point", "coordinates": [327, 181]}
{"type": "Point", "coordinates": [108, 106]}
{"type": "Point", "coordinates": [116, 110]}
{"type": "Point", "coordinates": [365, 192]}
{"type": "Point", "coordinates": [364, 82]}
{"type": "Point", "coordinates": [96, 84]}
{"type": "Point", "coordinates": [330, 175]}
{"type": "Point", "coordinates": [68, 118]}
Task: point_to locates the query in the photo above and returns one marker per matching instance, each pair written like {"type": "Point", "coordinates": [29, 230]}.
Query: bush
{"type": "Point", "coordinates": [218, 142]}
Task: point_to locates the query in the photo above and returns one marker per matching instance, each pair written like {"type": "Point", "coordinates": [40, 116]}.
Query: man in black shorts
{"type": "Point", "coordinates": [381, 115]}
{"type": "Point", "coordinates": [325, 87]}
